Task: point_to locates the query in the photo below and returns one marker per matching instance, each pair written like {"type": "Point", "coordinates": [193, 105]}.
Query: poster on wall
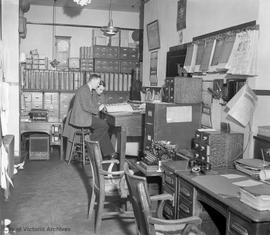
{"type": "Point", "coordinates": [181, 15]}
{"type": "Point", "coordinates": [153, 68]}
{"type": "Point", "coordinates": [153, 35]}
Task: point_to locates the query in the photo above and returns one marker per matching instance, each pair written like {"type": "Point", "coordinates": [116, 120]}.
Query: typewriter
{"type": "Point", "coordinates": [159, 151]}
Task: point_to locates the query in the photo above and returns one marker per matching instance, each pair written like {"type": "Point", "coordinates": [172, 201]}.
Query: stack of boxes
{"type": "Point", "coordinates": [86, 59]}
{"type": "Point", "coordinates": [36, 62]}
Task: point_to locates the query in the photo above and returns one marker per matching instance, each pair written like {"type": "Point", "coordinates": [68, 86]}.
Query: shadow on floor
{"type": "Point", "coordinates": [51, 197]}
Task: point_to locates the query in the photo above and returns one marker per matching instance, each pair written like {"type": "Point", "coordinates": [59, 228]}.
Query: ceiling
{"type": "Point", "coordinates": [117, 5]}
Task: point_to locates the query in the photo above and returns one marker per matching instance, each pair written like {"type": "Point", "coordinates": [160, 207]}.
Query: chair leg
{"type": "Point", "coordinates": [92, 205]}
{"type": "Point", "coordinates": [83, 148]}
{"type": "Point", "coordinates": [93, 196]}
{"type": "Point", "coordinates": [99, 212]}
{"type": "Point", "coordinates": [71, 151]}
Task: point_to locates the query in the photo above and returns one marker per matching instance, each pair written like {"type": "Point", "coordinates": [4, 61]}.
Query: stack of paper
{"type": "Point", "coordinates": [258, 197]}
{"type": "Point", "coordinates": [118, 107]}
{"type": "Point", "coordinates": [251, 166]}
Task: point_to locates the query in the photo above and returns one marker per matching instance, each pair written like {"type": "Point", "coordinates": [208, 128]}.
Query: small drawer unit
{"type": "Point", "coordinates": [107, 52]}
{"type": "Point", "coordinates": [128, 53]}
{"type": "Point", "coordinates": [183, 90]}
{"type": "Point", "coordinates": [217, 148]}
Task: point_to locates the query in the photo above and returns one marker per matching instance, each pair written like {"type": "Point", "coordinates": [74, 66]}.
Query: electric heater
{"type": "Point", "coordinates": [39, 147]}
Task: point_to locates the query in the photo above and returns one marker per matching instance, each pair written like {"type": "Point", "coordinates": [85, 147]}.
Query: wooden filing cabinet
{"type": "Point", "coordinates": [183, 90]}
{"type": "Point", "coordinates": [172, 122]}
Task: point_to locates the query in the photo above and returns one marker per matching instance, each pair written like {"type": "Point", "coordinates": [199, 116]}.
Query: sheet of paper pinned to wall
{"type": "Point", "coordinates": [179, 114]}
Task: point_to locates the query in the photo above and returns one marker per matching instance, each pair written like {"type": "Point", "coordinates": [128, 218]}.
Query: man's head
{"type": "Point", "coordinates": [101, 87]}
{"type": "Point", "coordinates": [94, 81]}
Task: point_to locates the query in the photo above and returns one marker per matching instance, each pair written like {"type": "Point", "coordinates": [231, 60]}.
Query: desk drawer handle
{"type": "Point", "coordinates": [184, 208]}
{"type": "Point", "coordinates": [186, 192]}
{"type": "Point", "coordinates": [239, 229]}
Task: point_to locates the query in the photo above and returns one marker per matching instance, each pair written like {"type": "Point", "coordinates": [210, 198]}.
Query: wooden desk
{"type": "Point", "coordinates": [42, 127]}
{"type": "Point", "coordinates": [125, 126]}
{"type": "Point", "coordinates": [240, 218]}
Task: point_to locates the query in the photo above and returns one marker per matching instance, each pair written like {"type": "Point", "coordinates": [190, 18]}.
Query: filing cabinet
{"type": "Point", "coordinates": [128, 53]}
{"type": "Point", "coordinates": [183, 90]}
{"type": "Point", "coordinates": [105, 65]}
{"type": "Point", "coordinates": [172, 122]}
{"type": "Point", "coordinates": [127, 66]}
{"type": "Point", "coordinates": [217, 148]}
{"type": "Point", "coordinates": [105, 52]}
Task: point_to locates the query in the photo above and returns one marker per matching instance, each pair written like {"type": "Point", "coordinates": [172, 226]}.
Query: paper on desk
{"type": "Point", "coordinates": [247, 183]}
{"type": "Point", "coordinates": [232, 176]}
{"type": "Point", "coordinates": [218, 185]}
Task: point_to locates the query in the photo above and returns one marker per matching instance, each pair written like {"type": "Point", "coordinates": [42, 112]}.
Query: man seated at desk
{"type": "Point", "coordinates": [85, 113]}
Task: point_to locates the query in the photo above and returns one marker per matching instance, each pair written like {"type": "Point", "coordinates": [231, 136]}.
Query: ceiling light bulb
{"type": "Point", "coordinates": [82, 2]}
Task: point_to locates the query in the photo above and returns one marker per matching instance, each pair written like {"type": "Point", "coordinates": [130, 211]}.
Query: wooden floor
{"type": "Point", "coordinates": [50, 197]}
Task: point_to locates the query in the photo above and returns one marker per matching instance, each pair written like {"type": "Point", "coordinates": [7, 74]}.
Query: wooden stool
{"type": "Point", "coordinates": [81, 133]}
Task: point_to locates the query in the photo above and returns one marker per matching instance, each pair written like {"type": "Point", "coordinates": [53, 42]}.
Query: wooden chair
{"type": "Point", "coordinates": [147, 224]}
{"type": "Point", "coordinates": [106, 188]}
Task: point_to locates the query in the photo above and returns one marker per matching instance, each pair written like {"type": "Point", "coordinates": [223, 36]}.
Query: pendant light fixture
{"type": "Point", "coordinates": [110, 30]}
{"type": "Point", "coordinates": [82, 2]}
{"type": "Point", "coordinates": [54, 62]}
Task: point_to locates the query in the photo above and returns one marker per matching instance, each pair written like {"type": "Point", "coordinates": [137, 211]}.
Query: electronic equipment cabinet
{"type": "Point", "coordinates": [176, 123]}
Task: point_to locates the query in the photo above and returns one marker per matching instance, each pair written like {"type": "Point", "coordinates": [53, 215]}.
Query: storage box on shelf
{"type": "Point", "coordinates": [183, 90]}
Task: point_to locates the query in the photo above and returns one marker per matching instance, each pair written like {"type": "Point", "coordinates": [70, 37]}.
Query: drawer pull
{"type": "Point", "coordinates": [184, 208]}
{"type": "Point", "coordinates": [239, 229]}
{"type": "Point", "coordinates": [186, 192]}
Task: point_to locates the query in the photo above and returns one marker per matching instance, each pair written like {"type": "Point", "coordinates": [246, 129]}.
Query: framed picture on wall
{"type": "Point", "coordinates": [153, 35]}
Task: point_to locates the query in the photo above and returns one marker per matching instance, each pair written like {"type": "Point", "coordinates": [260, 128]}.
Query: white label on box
{"type": "Point", "coordinates": [179, 114]}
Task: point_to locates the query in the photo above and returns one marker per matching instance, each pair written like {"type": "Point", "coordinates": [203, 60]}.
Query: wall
{"type": "Point", "coordinates": [40, 37]}
{"type": "Point", "coordinates": [202, 17]}
{"type": "Point", "coordinates": [10, 36]}
{"type": "Point", "coordinates": [262, 114]}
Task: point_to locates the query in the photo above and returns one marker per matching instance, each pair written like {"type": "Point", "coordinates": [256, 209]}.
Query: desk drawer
{"type": "Point", "coordinates": [185, 190]}
{"type": "Point", "coordinates": [185, 208]}
{"type": "Point", "coordinates": [169, 179]}
{"type": "Point", "coordinates": [169, 210]}
{"type": "Point", "coordinates": [239, 226]}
